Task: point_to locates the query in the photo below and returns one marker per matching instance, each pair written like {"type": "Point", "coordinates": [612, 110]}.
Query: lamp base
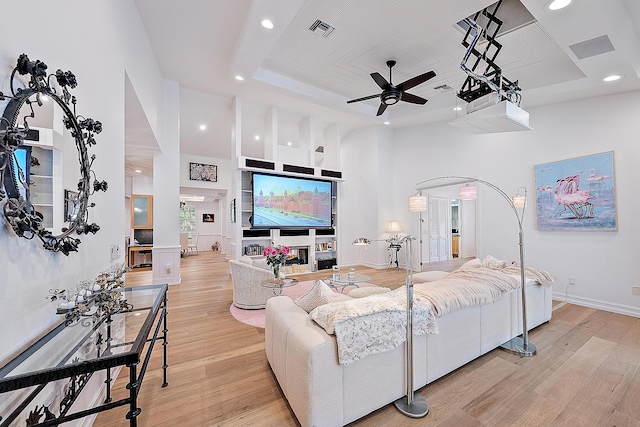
{"type": "Point", "coordinates": [417, 409]}
{"type": "Point", "coordinates": [516, 346]}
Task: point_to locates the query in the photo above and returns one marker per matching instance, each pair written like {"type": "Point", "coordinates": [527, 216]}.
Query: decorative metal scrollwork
{"type": "Point", "coordinates": [18, 210]}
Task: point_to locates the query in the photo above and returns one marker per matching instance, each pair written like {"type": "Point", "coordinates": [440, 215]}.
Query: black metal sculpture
{"type": "Point", "coordinates": [18, 210]}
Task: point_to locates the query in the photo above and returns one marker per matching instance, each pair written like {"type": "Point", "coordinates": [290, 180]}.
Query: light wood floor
{"type": "Point", "coordinates": [585, 373]}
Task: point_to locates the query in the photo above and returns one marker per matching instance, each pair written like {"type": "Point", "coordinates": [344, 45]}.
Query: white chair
{"type": "Point", "coordinates": [184, 244]}
{"type": "Point", "coordinates": [247, 291]}
{"type": "Point", "coordinates": [193, 244]}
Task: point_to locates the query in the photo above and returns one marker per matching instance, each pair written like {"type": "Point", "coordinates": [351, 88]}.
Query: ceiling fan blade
{"type": "Point", "coordinates": [381, 109]}
{"type": "Point", "coordinates": [407, 97]}
{"type": "Point", "coordinates": [364, 99]}
{"type": "Point", "coordinates": [381, 81]}
{"type": "Point", "coordinates": [408, 84]}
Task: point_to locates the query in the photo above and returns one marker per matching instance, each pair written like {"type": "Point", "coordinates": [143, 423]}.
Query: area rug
{"type": "Point", "coordinates": [256, 317]}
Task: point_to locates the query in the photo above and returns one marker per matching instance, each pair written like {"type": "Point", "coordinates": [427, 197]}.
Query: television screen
{"type": "Point", "coordinates": [290, 202]}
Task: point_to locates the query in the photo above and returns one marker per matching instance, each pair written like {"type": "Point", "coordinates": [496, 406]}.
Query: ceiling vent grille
{"type": "Point", "coordinates": [593, 47]}
{"type": "Point", "coordinates": [321, 28]}
{"type": "Point", "coordinates": [443, 88]}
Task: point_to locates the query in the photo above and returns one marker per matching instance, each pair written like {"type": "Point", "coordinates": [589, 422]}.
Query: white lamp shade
{"type": "Point", "coordinates": [468, 192]}
{"type": "Point", "coordinates": [417, 204]}
{"type": "Point", "coordinates": [519, 201]}
{"type": "Point", "coordinates": [393, 227]}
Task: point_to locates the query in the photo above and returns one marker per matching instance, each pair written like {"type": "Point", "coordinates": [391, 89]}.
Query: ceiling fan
{"type": "Point", "coordinates": [392, 94]}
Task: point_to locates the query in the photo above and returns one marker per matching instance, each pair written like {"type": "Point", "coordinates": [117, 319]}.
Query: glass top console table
{"type": "Point", "coordinates": [41, 384]}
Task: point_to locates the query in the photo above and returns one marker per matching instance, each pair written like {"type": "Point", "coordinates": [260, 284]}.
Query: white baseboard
{"type": "Point", "coordinates": [627, 310]}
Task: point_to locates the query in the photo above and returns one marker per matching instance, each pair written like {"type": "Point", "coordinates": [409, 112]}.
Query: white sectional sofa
{"type": "Point", "coordinates": [322, 392]}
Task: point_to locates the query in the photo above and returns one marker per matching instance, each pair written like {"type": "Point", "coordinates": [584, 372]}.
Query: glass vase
{"type": "Point", "coordinates": [276, 273]}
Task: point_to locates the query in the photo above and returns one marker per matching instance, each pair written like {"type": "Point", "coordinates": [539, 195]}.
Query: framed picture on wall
{"type": "Point", "coordinates": [203, 172]}
{"type": "Point", "coordinates": [207, 218]}
{"type": "Point", "coordinates": [577, 194]}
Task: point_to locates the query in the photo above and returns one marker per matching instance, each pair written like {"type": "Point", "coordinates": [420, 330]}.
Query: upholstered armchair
{"type": "Point", "coordinates": [247, 292]}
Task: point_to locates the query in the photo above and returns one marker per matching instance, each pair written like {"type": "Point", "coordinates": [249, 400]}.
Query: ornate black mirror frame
{"type": "Point", "coordinates": [18, 211]}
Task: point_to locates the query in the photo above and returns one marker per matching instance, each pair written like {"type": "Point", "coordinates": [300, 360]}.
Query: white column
{"type": "Point", "coordinates": [271, 134]}
{"type": "Point", "coordinates": [166, 195]}
{"type": "Point", "coordinates": [307, 139]}
{"type": "Point", "coordinates": [332, 147]}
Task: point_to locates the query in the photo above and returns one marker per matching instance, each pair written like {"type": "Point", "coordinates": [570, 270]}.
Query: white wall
{"type": "Point", "coordinates": [601, 262]}
{"type": "Point", "coordinates": [365, 203]}
{"type": "Point", "coordinates": [69, 35]}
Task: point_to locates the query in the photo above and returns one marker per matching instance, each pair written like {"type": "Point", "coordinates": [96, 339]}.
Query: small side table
{"type": "Point", "coordinates": [342, 280]}
{"type": "Point", "coordinates": [279, 285]}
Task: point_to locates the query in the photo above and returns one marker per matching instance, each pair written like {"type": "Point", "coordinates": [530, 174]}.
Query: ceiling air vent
{"type": "Point", "coordinates": [443, 88]}
{"type": "Point", "coordinates": [593, 47]}
{"type": "Point", "coordinates": [321, 28]}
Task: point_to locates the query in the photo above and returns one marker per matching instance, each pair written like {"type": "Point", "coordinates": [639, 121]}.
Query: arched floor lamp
{"type": "Point", "coordinates": [519, 345]}
{"type": "Point", "coordinates": [412, 405]}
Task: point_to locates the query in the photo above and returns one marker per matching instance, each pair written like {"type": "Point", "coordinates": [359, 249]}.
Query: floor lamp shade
{"type": "Point", "coordinates": [417, 204]}
{"type": "Point", "coordinates": [468, 192]}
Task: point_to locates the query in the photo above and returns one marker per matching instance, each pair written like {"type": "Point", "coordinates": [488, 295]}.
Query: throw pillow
{"type": "Point", "coordinates": [491, 262]}
{"type": "Point", "coordinates": [246, 259]}
{"type": "Point", "coordinates": [319, 294]}
{"type": "Point", "coordinates": [262, 263]}
{"type": "Point", "coordinates": [369, 290]}
{"type": "Point", "coordinates": [337, 296]}
{"type": "Point", "coordinates": [474, 263]}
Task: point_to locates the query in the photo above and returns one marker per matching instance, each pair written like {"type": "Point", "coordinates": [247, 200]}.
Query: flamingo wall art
{"type": "Point", "coordinates": [577, 194]}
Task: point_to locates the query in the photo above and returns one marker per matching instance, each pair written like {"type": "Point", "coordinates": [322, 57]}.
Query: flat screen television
{"type": "Point", "coordinates": [290, 202]}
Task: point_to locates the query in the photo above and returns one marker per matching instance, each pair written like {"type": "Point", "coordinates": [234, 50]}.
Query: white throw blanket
{"type": "Point", "coordinates": [373, 324]}
{"type": "Point", "coordinates": [540, 276]}
{"type": "Point", "coordinates": [465, 288]}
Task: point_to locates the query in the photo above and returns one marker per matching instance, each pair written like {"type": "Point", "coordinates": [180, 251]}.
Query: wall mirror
{"type": "Point", "coordinates": [28, 182]}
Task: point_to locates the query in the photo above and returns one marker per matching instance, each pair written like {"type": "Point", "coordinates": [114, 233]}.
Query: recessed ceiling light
{"type": "Point", "coordinates": [138, 171]}
{"type": "Point", "coordinates": [613, 78]}
{"type": "Point", "coordinates": [257, 137]}
{"type": "Point", "coordinates": [558, 4]}
{"type": "Point", "coordinates": [386, 123]}
{"type": "Point", "coordinates": [203, 127]}
{"type": "Point", "coordinates": [457, 108]}
{"type": "Point", "coordinates": [239, 77]}
{"type": "Point", "coordinates": [267, 24]}
{"type": "Point", "coordinates": [289, 143]}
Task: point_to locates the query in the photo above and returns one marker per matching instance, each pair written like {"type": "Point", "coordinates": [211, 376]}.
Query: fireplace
{"type": "Point", "coordinates": [298, 255]}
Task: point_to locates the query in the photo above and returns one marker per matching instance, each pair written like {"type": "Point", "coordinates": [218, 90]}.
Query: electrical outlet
{"type": "Point", "coordinates": [168, 268]}
{"type": "Point", "coordinates": [635, 290]}
{"type": "Point", "coordinates": [572, 280]}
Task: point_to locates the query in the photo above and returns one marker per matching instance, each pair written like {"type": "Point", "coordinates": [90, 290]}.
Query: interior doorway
{"type": "Point", "coordinates": [448, 227]}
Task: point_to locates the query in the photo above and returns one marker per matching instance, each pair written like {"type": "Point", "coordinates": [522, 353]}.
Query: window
{"type": "Point", "coordinates": [187, 219]}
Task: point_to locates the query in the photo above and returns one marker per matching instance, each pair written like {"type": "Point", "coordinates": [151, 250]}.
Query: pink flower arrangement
{"type": "Point", "coordinates": [276, 255]}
